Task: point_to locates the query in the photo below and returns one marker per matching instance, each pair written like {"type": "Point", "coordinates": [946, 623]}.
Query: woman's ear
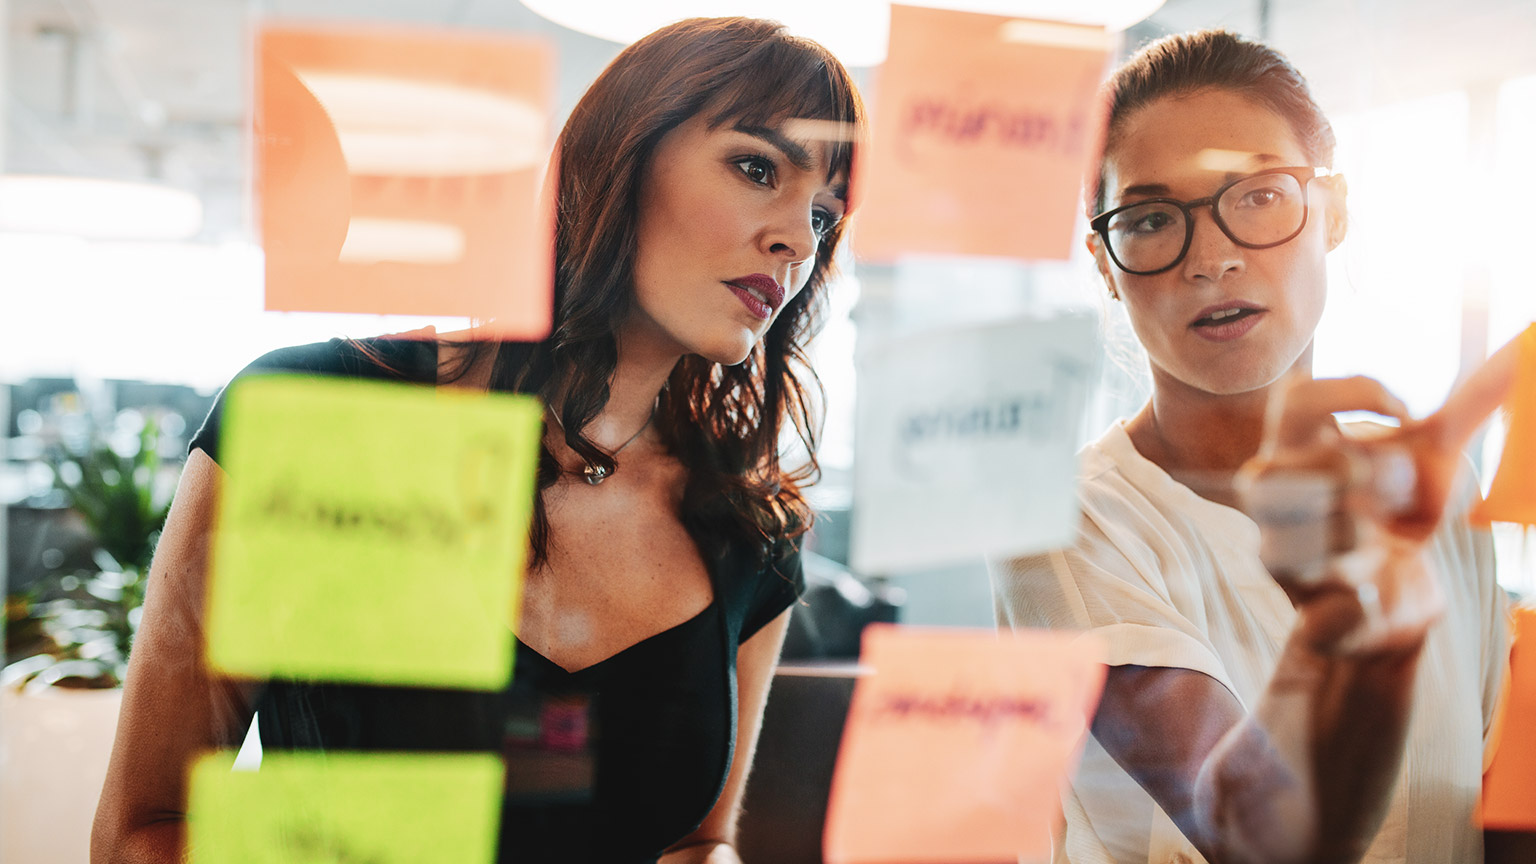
{"type": "Point", "coordinates": [1338, 209]}
{"type": "Point", "coordinates": [1095, 246]}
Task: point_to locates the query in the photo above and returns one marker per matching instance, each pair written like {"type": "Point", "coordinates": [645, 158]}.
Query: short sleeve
{"type": "Point", "coordinates": [1137, 575]}
{"type": "Point", "coordinates": [1094, 586]}
{"type": "Point", "coordinates": [300, 359]}
{"type": "Point", "coordinates": [779, 585]}
{"type": "Point", "coordinates": [403, 358]}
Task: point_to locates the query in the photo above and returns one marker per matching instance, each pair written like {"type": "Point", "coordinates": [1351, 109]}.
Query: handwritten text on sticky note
{"type": "Point", "coordinates": [957, 743]}
{"type": "Point", "coordinates": [966, 442]}
{"type": "Point", "coordinates": [360, 808]}
{"type": "Point", "coordinates": [983, 129]}
{"type": "Point", "coordinates": [370, 531]}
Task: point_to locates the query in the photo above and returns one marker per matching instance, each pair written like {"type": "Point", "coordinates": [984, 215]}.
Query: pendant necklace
{"type": "Point", "coordinates": [596, 474]}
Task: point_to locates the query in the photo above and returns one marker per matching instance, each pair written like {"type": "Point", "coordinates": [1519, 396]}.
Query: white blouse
{"type": "Point", "coordinates": [1169, 578]}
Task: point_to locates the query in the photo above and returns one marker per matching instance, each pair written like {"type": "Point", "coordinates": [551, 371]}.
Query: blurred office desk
{"type": "Point", "coordinates": [786, 800]}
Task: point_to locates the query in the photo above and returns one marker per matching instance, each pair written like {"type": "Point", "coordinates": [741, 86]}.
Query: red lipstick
{"type": "Point", "coordinates": [759, 293]}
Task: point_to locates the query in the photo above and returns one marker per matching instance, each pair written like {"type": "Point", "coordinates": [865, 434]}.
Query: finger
{"type": "Point", "coordinates": [1305, 408]}
{"type": "Point", "coordinates": [1480, 394]}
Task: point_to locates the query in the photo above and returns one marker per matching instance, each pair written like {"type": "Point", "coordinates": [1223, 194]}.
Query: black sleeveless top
{"type": "Point", "coordinates": [611, 763]}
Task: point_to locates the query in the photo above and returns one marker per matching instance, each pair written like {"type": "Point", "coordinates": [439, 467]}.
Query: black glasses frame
{"type": "Point", "coordinates": [1100, 223]}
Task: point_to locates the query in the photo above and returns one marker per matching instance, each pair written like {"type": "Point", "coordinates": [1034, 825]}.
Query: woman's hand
{"type": "Point", "coordinates": [1344, 519]}
{"type": "Point", "coordinates": [1326, 504]}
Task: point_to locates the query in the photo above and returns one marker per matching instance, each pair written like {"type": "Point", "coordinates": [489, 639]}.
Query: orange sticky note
{"type": "Point", "coordinates": [957, 744]}
{"type": "Point", "coordinates": [983, 128]}
{"type": "Point", "coordinates": [1512, 497]}
{"type": "Point", "coordinates": [1509, 787]}
{"type": "Point", "coordinates": [399, 171]}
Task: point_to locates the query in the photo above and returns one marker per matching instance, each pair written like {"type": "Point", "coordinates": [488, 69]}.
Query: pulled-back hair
{"type": "Point", "coordinates": [723, 423]}
{"type": "Point", "coordinates": [1184, 63]}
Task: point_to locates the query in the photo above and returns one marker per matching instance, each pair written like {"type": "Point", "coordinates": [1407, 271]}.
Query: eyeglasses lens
{"type": "Point", "coordinates": [1256, 211]}
{"type": "Point", "coordinates": [1264, 209]}
{"type": "Point", "coordinates": [1147, 236]}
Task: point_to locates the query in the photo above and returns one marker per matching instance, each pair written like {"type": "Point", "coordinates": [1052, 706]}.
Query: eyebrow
{"type": "Point", "coordinates": [1161, 190]}
{"type": "Point", "coordinates": [795, 152]}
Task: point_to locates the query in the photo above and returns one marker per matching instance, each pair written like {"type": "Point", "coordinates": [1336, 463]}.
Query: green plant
{"type": "Point", "coordinates": [76, 628]}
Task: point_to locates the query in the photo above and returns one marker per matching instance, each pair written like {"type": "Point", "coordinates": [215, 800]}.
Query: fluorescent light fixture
{"type": "Point", "coordinates": [393, 127]}
{"type": "Point", "coordinates": [854, 30]}
{"type": "Point", "coordinates": [1036, 32]}
{"type": "Point", "coordinates": [1113, 15]}
{"type": "Point", "coordinates": [96, 209]}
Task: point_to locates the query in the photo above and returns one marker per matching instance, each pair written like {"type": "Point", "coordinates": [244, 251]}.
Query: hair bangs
{"type": "Point", "coordinates": [723, 423]}
{"type": "Point", "coordinates": [790, 78]}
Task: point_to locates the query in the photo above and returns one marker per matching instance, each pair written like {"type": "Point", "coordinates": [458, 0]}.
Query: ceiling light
{"type": "Point", "coordinates": [1112, 15]}
{"type": "Point", "coordinates": [854, 30]}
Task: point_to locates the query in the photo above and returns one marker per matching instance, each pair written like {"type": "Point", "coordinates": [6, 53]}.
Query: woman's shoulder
{"type": "Point", "coordinates": [409, 357]}
{"type": "Point", "coordinates": [759, 584]}
{"type": "Point", "coordinates": [1117, 487]}
{"type": "Point", "coordinates": [314, 357]}
{"type": "Point", "coordinates": [405, 356]}
{"type": "Point", "coordinates": [1137, 527]}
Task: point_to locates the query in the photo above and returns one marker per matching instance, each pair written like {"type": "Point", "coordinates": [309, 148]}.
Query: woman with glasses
{"type": "Point", "coordinates": [1317, 685]}
{"type": "Point", "coordinates": [700, 199]}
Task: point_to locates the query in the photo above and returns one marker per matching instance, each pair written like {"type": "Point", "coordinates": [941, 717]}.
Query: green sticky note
{"type": "Point", "coordinates": [346, 808]}
{"type": "Point", "coordinates": [371, 532]}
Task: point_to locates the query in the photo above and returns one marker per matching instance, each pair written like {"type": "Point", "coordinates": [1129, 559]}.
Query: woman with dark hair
{"type": "Point", "coordinates": [1265, 702]}
{"type": "Point", "coordinates": [701, 192]}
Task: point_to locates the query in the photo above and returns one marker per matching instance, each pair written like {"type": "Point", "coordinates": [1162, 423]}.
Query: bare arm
{"type": "Point", "coordinates": [714, 841]}
{"type": "Point", "coordinates": [1306, 777]}
{"type": "Point", "coordinates": [172, 708]}
{"type": "Point", "coordinates": [1309, 773]}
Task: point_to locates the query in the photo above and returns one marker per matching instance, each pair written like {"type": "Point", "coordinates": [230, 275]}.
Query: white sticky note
{"type": "Point", "coordinates": [966, 442]}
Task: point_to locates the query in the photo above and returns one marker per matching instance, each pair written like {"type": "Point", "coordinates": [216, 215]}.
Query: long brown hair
{"type": "Point", "coordinates": [722, 423]}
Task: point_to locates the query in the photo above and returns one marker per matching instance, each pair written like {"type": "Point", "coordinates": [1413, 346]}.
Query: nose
{"type": "Point", "coordinates": [1212, 254]}
{"type": "Point", "coordinates": [789, 234]}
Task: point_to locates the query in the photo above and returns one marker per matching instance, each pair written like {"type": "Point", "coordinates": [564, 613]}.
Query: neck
{"type": "Point", "coordinates": [1202, 438]}
{"type": "Point", "coordinates": [643, 365]}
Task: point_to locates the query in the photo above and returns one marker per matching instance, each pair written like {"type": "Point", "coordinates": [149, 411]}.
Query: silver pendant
{"type": "Point", "coordinates": [595, 474]}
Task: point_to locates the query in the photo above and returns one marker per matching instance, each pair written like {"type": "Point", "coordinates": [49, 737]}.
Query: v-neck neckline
{"type": "Point", "coordinates": [430, 376]}
{"type": "Point", "coordinates": [622, 652]}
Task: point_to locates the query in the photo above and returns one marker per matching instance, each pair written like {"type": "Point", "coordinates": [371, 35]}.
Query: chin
{"type": "Point", "coordinates": [727, 352]}
{"type": "Point", "coordinates": [1255, 367]}
{"type": "Point", "coordinates": [1241, 379]}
